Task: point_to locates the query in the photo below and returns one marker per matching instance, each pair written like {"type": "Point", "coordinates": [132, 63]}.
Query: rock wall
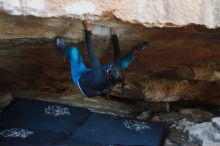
{"type": "Point", "coordinates": [147, 12]}
{"type": "Point", "coordinates": [181, 62]}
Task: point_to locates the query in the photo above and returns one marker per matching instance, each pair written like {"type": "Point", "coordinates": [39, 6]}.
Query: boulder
{"type": "Point", "coordinates": [200, 133]}
{"type": "Point", "coordinates": [147, 12]}
{"type": "Point", "coordinates": [5, 100]}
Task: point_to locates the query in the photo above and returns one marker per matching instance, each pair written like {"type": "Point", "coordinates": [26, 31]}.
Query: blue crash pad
{"type": "Point", "coordinates": [111, 130]}
{"type": "Point", "coordinates": [70, 142]}
{"type": "Point", "coordinates": [44, 116]}
{"type": "Point", "coordinates": [29, 137]}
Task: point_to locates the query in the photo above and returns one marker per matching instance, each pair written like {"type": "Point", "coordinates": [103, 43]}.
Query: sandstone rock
{"type": "Point", "coordinates": [5, 100]}
{"type": "Point", "coordinates": [36, 64]}
{"type": "Point", "coordinates": [204, 132]}
{"type": "Point", "coordinates": [216, 122]}
{"type": "Point", "coordinates": [217, 74]}
{"type": "Point", "coordinates": [147, 12]}
{"type": "Point", "coordinates": [144, 115]}
{"type": "Point", "coordinates": [195, 115]}
{"type": "Point", "coordinates": [183, 125]}
{"type": "Point", "coordinates": [166, 89]}
{"type": "Point", "coordinates": [209, 73]}
{"type": "Point", "coordinates": [180, 138]}
{"type": "Point", "coordinates": [169, 143]}
{"type": "Point", "coordinates": [208, 142]}
{"type": "Point", "coordinates": [185, 72]}
{"type": "Point", "coordinates": [170, 118]}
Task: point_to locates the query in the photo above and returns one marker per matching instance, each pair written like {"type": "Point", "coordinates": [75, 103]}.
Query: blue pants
{"type": "Point", "coordinates": [79, 69]}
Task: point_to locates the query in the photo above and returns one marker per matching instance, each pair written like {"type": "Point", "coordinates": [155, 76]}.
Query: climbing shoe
{"type": "Point", "coordinates": [59, 41]}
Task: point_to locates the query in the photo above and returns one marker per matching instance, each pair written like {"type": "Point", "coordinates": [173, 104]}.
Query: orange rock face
{"type": "Point", "coordinates": [180, 63]}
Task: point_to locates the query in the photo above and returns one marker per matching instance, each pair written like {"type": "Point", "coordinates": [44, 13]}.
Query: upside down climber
{"type": "Point", "coordinates": [98, 80]}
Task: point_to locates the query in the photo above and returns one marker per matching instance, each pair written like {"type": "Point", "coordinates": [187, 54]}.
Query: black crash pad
{"type": "Point", "coordinates": [47, 123]}
{"type": "Point", "coordinates": [110, 130]}
{"type": "Point", "coordinates": [43, 116]}
{"type": "Point", "coordinates": [29, 137]}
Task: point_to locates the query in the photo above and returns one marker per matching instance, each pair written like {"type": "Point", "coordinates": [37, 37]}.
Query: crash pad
{"type": "Point", "coordinates": [45, 116]}
{"type": "Point", "coordinates": [112, 130]}
{"type": "Point", "coordinates": [29, 137]}
{"type": "Point", "coordinates": [71, 142]}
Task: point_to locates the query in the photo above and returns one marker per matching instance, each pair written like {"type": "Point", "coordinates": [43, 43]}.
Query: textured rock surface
{"type": "Point", "coordinates": [37, 65]}
{"type": "Point", "coordinates": [180, 138]}
{"type": "Point", "coordinates": [207, 142]}
{"type": "Point", "coordinates": [185, 117]}
{"type": "Point", "coordinates": [5, 100]}
{"type": "Point", "coordinates": [163, 88]}
{"type": "Point", "coordinates": [195, 115]}
{"type": "Point", "coordinates": [185, 127]}
{"type": "Point", "coordinates": [181, 63]}
{"type": "Point", "coordinates": [216, 122]}
{"type": "Point", "coordinates": [147, 12]}
{"type": "Point", "coordinates": [204, 132]}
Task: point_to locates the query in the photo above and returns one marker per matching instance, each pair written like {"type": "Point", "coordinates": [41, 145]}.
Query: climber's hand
{"type": "Point", "coordinates": [112, 31]}
{"type": "Point", "coordinates": [140, 46]}
{"type": "Point", "coordinates": [86, 25]}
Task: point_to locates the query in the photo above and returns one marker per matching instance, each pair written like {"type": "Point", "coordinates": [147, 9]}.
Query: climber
{"type": "Point", "coordinates": [97, 80]}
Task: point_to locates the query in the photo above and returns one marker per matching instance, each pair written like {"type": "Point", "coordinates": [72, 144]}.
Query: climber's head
{"type": "Point", "coordinates": [115, 73]}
